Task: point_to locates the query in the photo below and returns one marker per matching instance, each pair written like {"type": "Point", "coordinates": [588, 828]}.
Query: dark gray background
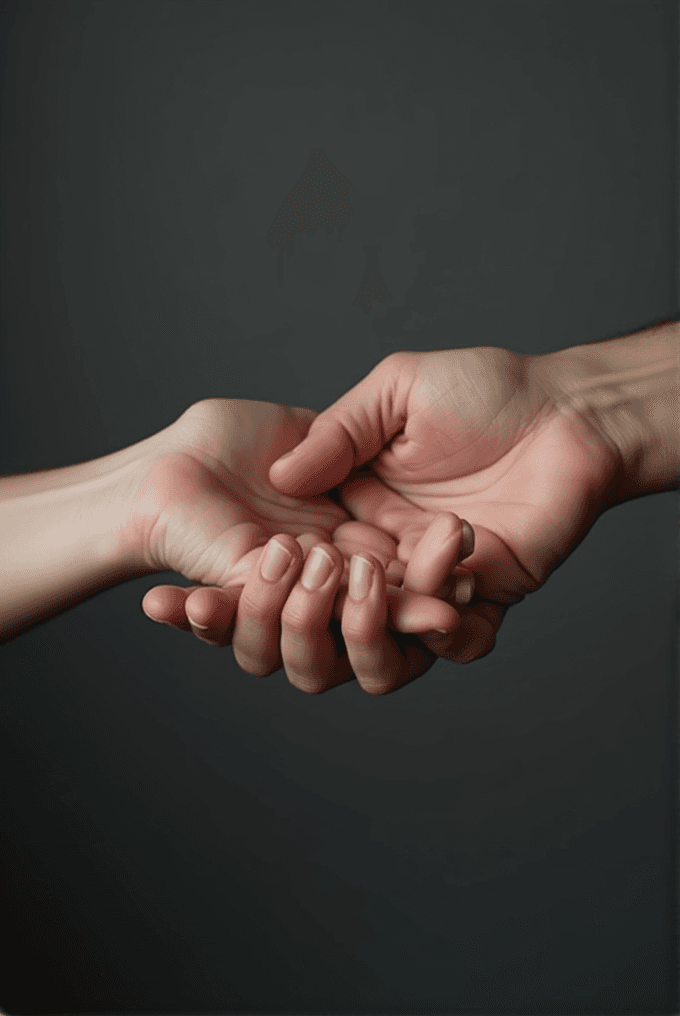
{"type": "Point", "coordinates": [178, 835]}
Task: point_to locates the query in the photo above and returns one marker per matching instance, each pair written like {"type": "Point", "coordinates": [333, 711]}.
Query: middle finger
{"type": "Point", "coordinates": [313, 653]}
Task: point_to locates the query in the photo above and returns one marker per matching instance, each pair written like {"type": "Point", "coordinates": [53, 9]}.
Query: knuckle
{"type": "Point", "coordinates": [394, 361]}
{"type": "Point", "coordinates": [295, 619]}
{"type": "Point", "coordinates": [251, 604]}
{"type": "Point", "coordinates": [355, 631]}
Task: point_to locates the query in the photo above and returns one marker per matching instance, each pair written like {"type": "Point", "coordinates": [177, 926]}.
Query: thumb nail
{"type": "Point", "coordinates": [283, 458]}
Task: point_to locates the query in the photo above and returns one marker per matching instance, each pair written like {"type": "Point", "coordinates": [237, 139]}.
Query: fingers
{"type": "Point", "coordinates": [288, 619]}
{"type": "Point", "coordinates": [408, 613]}
{"type": "Point", "coordinates": [395, 572]}
{"type": "Point", "coordinates": [359, 537]}
{"type": "Point", "coordinates": [208, 612]}
{"type": "Point", "coordinates": [378, 662]}
{"type": "Point", "coordinates": [459, 586]}
{"type": "Point", "coordinates": [317, 657]}
{"type": "Point", "coordinates": [313, 654]}
{"type": "Point", "coordinates": [257, 632]}
{"type": "Point", "coordinates": [371, 502]}
{"type": "Point", "coordinates": [350, 432]}
{"type": "Point", "coordinates": [433, 567]}
{"type": "Point", "coordinates": [213, 614]}
{"type": "Point", "coordinates": [317, 464]}
{"type": "Point", "coordinates": [446, 541]}
{"type": "Point", "coordinates": [474, 638]}
{"type": "Point", "coordinates": [307, 641]}
{"type": "Point", "coordinates": [165, 604]}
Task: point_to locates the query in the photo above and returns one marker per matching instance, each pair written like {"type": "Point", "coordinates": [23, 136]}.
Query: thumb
{"type": "Point", "coordinates": [351, 432]}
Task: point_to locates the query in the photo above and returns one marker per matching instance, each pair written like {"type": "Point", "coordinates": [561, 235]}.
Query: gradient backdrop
{"type": "Point", "coordinates": [177, 835]}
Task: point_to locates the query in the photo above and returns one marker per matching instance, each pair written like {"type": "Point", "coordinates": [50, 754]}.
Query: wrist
{"type": "Point", "coordinates": [627, 392]}
{"type": "Point", "coordinates": [65, 535]}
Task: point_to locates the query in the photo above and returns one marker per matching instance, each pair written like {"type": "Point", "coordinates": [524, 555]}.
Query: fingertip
{"type": "Point", "coordinates": [337, 556]}
{"type": "Point", "coordinates": [365, 574]}
{"type": "Point", "coordinates": [395, 572]}
{"type": "Point", "coordinates": [158, 620]}
{"type": "Point", "coordinates": [320, 462]}
{"type": "Point", "coordinates": [211, 608]}
{"type": "Point", "coordinates": [446, 520]}
{"type": "Point", "coordinates": [280, 464]}
{"type": "Point", "coordinates": [368, 556]}
{"type": "Point", "coordinates": [161, 603]}
{"type": "Point", "coordinates": [147, 606]}
{"type": "Point", "coordinates": [294, 547]}
{"type": "Point", "coordinates": [307, 541]}
{"type": "Point", "coordinates": [282, 476]}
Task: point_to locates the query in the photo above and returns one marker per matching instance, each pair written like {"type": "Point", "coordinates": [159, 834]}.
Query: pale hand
{"type": "Point", "coordinates": [206, 510]}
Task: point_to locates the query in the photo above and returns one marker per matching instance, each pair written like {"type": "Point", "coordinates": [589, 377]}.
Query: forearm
{"type": "Point", "coordinates": [62, 539]}
{"type": "Point", "coordinates": [628, 390]}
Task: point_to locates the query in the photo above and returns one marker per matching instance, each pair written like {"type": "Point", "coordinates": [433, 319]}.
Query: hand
{"type": "Point", "coordinates": [205, 509]}
{"type": "Point", "coordinates": [312, 648]}
{"type": "Point", "coordinates": [475, 433]}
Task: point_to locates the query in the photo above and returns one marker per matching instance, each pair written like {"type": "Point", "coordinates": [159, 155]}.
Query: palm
{"type": "Point", "coordinates": [206, 508]}
{"type": "Point", "coordinates": [483, 440]}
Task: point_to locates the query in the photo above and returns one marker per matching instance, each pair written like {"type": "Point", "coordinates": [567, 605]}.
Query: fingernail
{"type": "Point", "coordinates": [275, 562]}
{"type": "Point", "coordinates": [360, 574]}
{"type": "Point", "coordinates": [468, 539]}
{"type": "Point", "coordinates": [442, 631]}
{"type": "Point", "coordinates": [195, 624]}
{"type": "Point", "coordinates": [282, 458]}
{"type": "Point", "coordinates": [317, 569]}
{"type": "Point", "coordinates": [465, 587]}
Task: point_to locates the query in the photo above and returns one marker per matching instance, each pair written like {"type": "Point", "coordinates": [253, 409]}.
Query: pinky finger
{"type": "Point", "coordinates": [207, 611]}
{"type": "Point", "coordinates": [165, 605]}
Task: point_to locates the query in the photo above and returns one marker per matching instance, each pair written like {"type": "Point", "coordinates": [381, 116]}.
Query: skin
{"type": "Point", "coordinates": [530, 450]}
{"type": "Point", "coordinates": [475, 433]}
{"type": "Point", "coordinates": [207, 510]}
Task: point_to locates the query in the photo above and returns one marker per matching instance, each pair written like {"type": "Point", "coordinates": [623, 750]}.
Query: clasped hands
{"type": "Point", "coordinates": [213, 515]}
{"type": "Point", "coordinates": [432, 459]}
